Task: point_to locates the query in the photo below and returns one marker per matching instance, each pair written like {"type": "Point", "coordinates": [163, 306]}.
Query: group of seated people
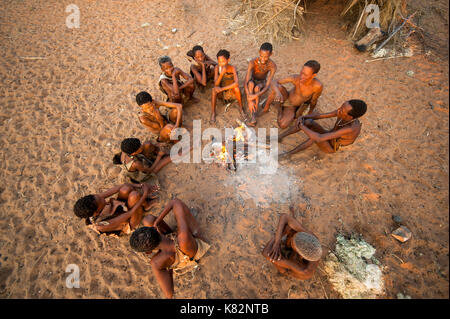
{"type": "Point", "coordinates": [295, 107]}
{"type": "Point", "coordinates": [123, 209]}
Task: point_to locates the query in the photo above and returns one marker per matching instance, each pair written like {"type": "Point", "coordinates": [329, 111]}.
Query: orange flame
{"type": "Point", "coordinates": [239, 133]}
{"type": "Point", "coordinates": [223, 155]}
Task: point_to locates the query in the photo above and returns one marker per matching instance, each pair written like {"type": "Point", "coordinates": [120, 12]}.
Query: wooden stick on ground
{"type": "Point", "coordinates": [387, 58]}
{"type": "Point", "coordinates": [33, 57]}
{"type": "Point", "coordinates": [360, 18]}
{"type": "Point", "coordinates": [393, 33]}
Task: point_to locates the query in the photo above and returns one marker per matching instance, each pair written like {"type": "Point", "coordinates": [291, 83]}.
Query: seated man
{"type": "Point", "coordinates": [203, 68]}
{"type": "Point", "coordinates": [256, 81]}
{"type": "Point", "coordinates": [170, 251]}
{"type": "Point", "coordinates": [172, 86]}
{"type": "Point", "coordinates": [120, 215]}
{"type": "Point", "coordinates": [307, 90]}
{"type": "Point", "coordinates": [226, 83]}
{"type": "Point", "coordinates": [299, 254]}
{"type": "Point", "coordinates": [345, 130]}
{"type": "Point", "coordinates": [159, 117]}
{"type": "Point", "coordinates": [141, 161]}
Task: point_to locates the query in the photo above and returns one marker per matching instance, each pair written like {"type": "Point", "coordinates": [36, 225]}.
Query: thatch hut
{"type": "Point", "coordinates": [283, 20]}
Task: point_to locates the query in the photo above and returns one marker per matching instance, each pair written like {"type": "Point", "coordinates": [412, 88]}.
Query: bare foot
{"type": "Point", "coordinates": [252, 121]}
{"type": "Point", "coordinates": [213, 118]}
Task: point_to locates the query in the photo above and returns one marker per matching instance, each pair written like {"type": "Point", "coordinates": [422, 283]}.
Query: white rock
{"type": "Point", "coordinates": [146, 24]}
{"type": "Point", "coordinates": [166, 48]}
{"type": "Point", "coordinates": [160, 24]}
{"type": "Point", "coordinates": [174, 30]}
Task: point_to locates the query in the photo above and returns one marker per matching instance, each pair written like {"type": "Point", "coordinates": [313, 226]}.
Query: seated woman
{"type": "Point", "coordinates": [226, 84]}
{"type": "Point", "coordinates": [142, 161]}
{"type": "Point", "coordinates": [118, 215]}
{"type": "Point", "coordinates": [203, 68]}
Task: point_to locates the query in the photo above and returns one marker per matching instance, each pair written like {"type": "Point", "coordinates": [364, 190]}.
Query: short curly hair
{"type": "Point", "coordinates": [308, 246]}
{"type": "Point", "coordinates": [130, 145]}
{"type": "Point", "coordinates": [145, 239]}
{"type": "Point", "coordinates": [314, 65]}
{"type": "Point", "coordinates": [143, 97]}
{"type": "Point", "coordinates": [85, 207]}
{"type": "Point", "coordinates": [224, 53]}
{"type": "Point", "coordinates": [359, 108]}
{"type": "Point", "coordinates": [266, 46]}
{"type": "Point", "coordinates": [164, 59]}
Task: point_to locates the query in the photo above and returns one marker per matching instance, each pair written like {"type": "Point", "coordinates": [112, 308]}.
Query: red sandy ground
{"type": "Point", "coordinates": [62, 119]}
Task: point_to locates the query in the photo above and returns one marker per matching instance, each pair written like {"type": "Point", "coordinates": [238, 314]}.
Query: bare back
{"type": "Point", "coordinates": [349, 138]}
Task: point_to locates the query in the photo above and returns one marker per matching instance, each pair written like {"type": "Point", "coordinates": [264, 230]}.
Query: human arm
{"type": "Point", "coordinates": [187, 77]}
{"type": "Point", "coordinates": [157, 160]}
{"type": "Point", "coordinates": [176, 106]}
{"type": "Point", "coordinates": [235, 84]}
{"type": "Point", "coordinates": [165, 211]}
{"type": "Point", "coordinates": [122, 218]}
{"type": "Point", "coordinates": [180, 210]}
{"type": "Point", "coordinates": [294, 268]}
{"type": "Point", "coordinates": [250, 67]}
{"type": "Point", "coordinates": [159, 263]}
{"type": "Point", "coordinates": [272, 71]}
{"type": "Point", "coordinates": [317, 137]}
{"type": "Point", "coordinates": [286, 224]}
{"type": "Point", "coordinates": [218, 76]}
{"type": "Point", "coordinates": [113, 190]}
{"type": "Point", "coordinates": [315, 116]}
{"type": "Point", "coordinates": [317, 92]}
{"type": "Point", "coordinates": [277, 83]}
{"type": "Point", "coordinates": [200, 77]}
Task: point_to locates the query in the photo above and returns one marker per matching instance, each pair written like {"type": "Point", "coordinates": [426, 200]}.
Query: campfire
{"type": "Point", "coordinates": [228, 154]}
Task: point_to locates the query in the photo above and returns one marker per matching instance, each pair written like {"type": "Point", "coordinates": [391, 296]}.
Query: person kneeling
{"type": "Point", "coordinates": [299, 255]}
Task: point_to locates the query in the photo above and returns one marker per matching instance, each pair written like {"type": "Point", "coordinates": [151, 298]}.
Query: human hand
{"type": "Point", "coordinates": [175, 96]}
{"type": "Point", "coordinates": [275, 252]}
{"type": "Point", "coordinates": [278, 97]}
{"type": "Point", "coordinates": [299, 121]}
{"type": "Point", "coordinates": [252, 97]}
{"type": "Point", "coordinates": [217, 89]}
{"type": "Point", "coordinates": [94, 228]}
{"type": "Point", "coordinates": [224, 70]}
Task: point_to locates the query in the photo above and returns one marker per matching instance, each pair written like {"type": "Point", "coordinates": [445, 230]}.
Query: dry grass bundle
{"type": "Point", "coordinates": [391, 13]}
{"type": "Point", "coordinates": [275, 21]}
